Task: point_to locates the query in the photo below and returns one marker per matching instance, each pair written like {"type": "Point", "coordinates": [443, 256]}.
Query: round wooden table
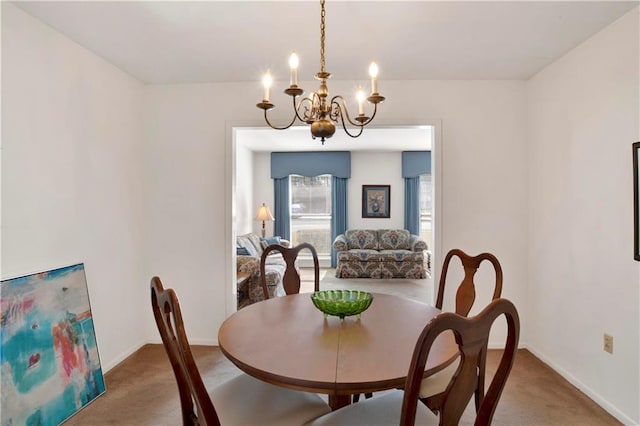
{"type": "Point", "coordinates": [286, 341]}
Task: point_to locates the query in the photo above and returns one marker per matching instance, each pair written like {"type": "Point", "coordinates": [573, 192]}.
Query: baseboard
{"type": "Point", "coordinates": [199, 342]}
{"type": "Point", "coordinates": [204, 342]}
{"type": "Point", "coordinates": [126, 354]}
{"type": "Point", "coordinates": [597, 398]}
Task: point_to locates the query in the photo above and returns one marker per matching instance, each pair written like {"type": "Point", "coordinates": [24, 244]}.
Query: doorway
{"type": "Point", "coordinates": [252, 184]}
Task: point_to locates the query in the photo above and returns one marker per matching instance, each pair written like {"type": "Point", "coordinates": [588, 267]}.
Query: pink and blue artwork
{"type": "Point", "coordinates": [49, 360]}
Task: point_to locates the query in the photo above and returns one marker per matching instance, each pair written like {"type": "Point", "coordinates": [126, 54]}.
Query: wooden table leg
{"type": "Point", "coordinates": [338, 401]}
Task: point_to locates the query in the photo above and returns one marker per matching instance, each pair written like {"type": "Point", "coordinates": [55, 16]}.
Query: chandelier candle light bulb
{"type": "Point", "coordinates": [293, 64]}
{"type": "Point", "coordinates": [267, 81]}
{"type": "Point", "coordinates": [318, 110]}
{"type": "Point", "coordinates": [373, 73]}
{"type": "Point", "coordinates": [360, 96]}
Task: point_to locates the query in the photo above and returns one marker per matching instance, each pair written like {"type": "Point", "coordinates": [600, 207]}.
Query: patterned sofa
{"type": "Point", "coordinates": [274, 268]}
{"type": "Point", "coordinates": [382, 253]}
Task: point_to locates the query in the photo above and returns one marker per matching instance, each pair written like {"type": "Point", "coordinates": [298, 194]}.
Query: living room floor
{"type": "Point", "coordinates": [417, 289]}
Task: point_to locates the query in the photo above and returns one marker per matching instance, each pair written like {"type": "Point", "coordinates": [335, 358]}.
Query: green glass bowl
{"type": "Point", "coordinates": [342, 303]}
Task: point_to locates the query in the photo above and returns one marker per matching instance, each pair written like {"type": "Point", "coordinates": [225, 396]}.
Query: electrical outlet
{"type": "Point", "coordinates": [608, 343]}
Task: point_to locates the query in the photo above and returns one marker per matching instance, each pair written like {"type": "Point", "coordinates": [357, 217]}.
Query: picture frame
{"type": "Point", "coordinates": [376, 201]}
{"type": "Point", "coordinates": [51, 367]}
{"type": "Point", "coordinates": [636, 202]}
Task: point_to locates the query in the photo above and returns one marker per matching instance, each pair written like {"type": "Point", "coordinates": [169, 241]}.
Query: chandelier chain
{"type": "Point", "coordinates": [322, 27]}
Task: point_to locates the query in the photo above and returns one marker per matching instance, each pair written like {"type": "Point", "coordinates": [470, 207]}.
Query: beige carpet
{"type": "Point", "coordinates": [142, 391]}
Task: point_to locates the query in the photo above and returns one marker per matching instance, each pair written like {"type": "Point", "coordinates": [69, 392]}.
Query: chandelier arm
{"type": "Point", "coordinates": [293, 120]}
{"type": "Point", "coordinates": [339, 113]}
{"type": "Point", "coordinates": [375, 109]}
{"type": "Point", "coordinates": [342, 110]}
{"type": "Point", "coordinates": [306, 116]}
{"type": "Point", "coordinates": [346, 130]}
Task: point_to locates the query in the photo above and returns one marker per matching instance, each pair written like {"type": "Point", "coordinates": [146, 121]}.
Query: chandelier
{"type": "Point", "coordinates": [316, 109]}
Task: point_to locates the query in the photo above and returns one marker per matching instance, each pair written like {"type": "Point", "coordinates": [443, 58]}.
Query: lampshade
{"type": "Point", "coordinates": [264, 213]}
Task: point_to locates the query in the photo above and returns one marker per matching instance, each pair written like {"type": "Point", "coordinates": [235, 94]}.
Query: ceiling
{"type": "Point", "coordinates": [166, 42]}
{"type": "Point", "coordinates": [213, 41]}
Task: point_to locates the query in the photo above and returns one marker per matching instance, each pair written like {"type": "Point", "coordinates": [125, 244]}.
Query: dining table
{"type": "Point", "coordinates": [287, 341]}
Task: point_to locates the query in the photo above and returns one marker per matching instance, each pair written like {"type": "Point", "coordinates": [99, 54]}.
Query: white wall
{"type": "Point", "coordinates": [244, 190]}
{"type": "Point", "coordinates": [376, 168]}
{"type": "Point", "coordinates": [582, 114]}
{"type": "Point", "coordinates": [72, 174]}
{"type": "Point", "coordinates": [263, 190]}
{"type": "Point", "coordinates": [483, 204]}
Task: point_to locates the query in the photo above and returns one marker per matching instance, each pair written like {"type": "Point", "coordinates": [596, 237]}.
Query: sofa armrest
{"type": "Point", "coordinates": [417, 244]}
{"type": "Point", "coordinates": [340, 243]}
{"type": "Point", "coordinates": [250, 264]}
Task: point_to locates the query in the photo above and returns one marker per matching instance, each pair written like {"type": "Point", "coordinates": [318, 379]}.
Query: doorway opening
{"type": "Point", "coordinates": [373, 161]}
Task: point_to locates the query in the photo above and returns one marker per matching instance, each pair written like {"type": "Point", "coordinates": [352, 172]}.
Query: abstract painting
{"type": "Point", "coordinates": [49, 360]}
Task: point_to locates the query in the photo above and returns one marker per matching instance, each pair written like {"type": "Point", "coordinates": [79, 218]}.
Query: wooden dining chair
{"type": "Point", "coordinates": [291, 278]}
{"type": "Point", "coordinates": [471, 334]}
{"type": "Point", "coordinates": [242, 400]}
{"type": "Point", "coordinates": [432, 390]}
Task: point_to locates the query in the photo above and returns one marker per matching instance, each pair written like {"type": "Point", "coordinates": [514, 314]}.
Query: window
{"type": "Point", "coordinates": [311, 212]}
{"type": "Point", "coordinates": [426, 208]}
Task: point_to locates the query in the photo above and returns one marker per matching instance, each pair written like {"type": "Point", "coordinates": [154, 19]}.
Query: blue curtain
{"type": "Point", "coordinates": [412, 205]}
{"type": "Point", "coordinates": [281, 227]}
{"type": "Point", "coordinates": [414, 163]}
{"type": "Point", "coordinates": [335, 163]}
{"type": "Point", "coordinates": [338, 212]}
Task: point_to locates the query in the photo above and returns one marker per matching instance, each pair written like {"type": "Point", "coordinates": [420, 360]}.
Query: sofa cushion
{"type": "Point", "coordinates": [251, 242]}
{"type": "Point", "coordinates": [361, 239]}
{"type": "Point", "coordinates": [357, 255]}
{"type": "Point", "coordinates": [243, 241]}
{"type": "Point", "coordinates": [401, 256]}
{"type": "Point", "coordinates": [255, 242]}
{"type": "Point", "coordinates": [265, 242]}
{"type": "Point", "coordinates": [394, 239]}
{"type": "Point", "coordinates": [242, 251]}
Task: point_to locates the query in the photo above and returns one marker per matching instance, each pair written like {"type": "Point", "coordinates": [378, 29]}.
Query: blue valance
{"type": "Point", "coordinates": [311, 164]}
{"type": "Point", "coordinates": [415, 163]}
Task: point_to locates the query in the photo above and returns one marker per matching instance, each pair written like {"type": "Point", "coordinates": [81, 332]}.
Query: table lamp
{"type": "Point", "coordinates": [264, 214]}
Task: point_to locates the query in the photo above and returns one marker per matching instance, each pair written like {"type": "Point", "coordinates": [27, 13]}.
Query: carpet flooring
{"type": "Point", "coordinates": [142, 390]}
{"type": "Point", "coordinates": [420, 290]}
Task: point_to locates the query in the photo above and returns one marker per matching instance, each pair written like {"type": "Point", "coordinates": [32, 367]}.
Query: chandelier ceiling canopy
{"type": "Point", "coordinates": [316, 109]}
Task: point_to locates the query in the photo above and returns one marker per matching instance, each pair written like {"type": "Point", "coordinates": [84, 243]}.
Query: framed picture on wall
{"type": "Point", "coordinates": [636, 203]}
{"type": "Point", "coordinates": [376, 201]}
